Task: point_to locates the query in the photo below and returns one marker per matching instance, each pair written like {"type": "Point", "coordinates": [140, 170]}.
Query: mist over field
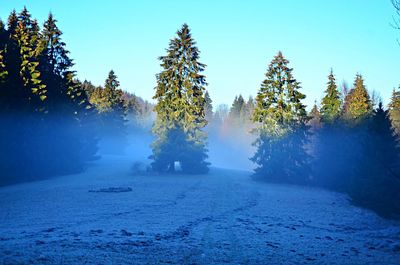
{"type": "Point", "coordinates": [94, 173]}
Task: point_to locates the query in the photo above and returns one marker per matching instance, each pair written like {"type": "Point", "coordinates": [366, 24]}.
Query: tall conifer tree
{"type": "Point", "coordinates": [394, 110]}
{"type": "Point", "coordinates": [331, 103]}
{"type": "Point", "coordinates": [27, 37]}
{"type": "Point", "coordinates": [208, 107]}
{"type": "Point", "coordinates": [281, 118]}
{"type": "Point", "coordinates": [315, 117]}
{"type": "Point", "coordinates": [180, 108]}
{"type": "Point", "coordinates": [358, 104]}
{"type": "Point", "coordinates": [376, 182]}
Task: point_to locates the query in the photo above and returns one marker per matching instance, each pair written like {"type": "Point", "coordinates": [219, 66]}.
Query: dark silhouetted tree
{"type": "Point", "coordinates": [394, 111]}
{"type": "Point", "coordinates": [376, 183]}
{"type": "Point", "coordinates": [45, 114]}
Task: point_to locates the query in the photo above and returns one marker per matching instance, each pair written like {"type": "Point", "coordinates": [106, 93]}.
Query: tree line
{"type": "Point", "coordinates": [348, 144]}
{"type": "Point", "coordinates": [53, 122]}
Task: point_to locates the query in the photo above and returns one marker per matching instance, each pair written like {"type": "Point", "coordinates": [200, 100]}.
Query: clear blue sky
{"type": "Point", "coordinates": [237, 39]}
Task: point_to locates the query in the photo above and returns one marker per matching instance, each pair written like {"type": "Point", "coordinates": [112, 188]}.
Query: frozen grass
{"type": "Point", "coordinates": [220, 218]}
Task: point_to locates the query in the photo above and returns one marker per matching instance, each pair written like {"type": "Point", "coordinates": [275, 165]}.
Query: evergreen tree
{"type": "Point", "coordinates": [12, 82]}
{"type": "Point", "coordinates": [315, 117]}
{"type": "Point", "coordinates": [112, 109]}
{"type": "Point", "coordinates": [3, 39]}
{"type": "Point", "coordinates": [88, 87]}
{"type": "Point", "coordinates": [394, 111]}
{"type": "Point", "coordinates": [336, 164]}
{"type": "Point", "coordinates": [109, 99]}
{"type": "Point", "coordinates": [281, 118]}
{"type": "Point", "coordinates": [208, 107]}
{"type": "Point", "coordinates": [27, 37]}
{"type": "Point", "coordinates": [237, 107]}
{"type": "Point", "coordinates": [132, 104]}
{"type": "Point", "coordinates": [248, 110]}
{"type": "Point", "coordinates": [376, 183]}
{"type": "Point", "coordinates": [331, 103]}
{"type": "Point", "coordinates": [180, 108]}
{"type": "Point", "coordinates": [66, 99]}
{"type": "Point", "coordinates": [357, 103]}
{"type": "Point", "coordinates": [116, 103]}
{"type": "Point", "coordinates": [46, 125]}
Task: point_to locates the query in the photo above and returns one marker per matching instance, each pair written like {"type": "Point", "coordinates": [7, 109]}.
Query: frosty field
{"type": "Point", "coordinates": [220, 218]}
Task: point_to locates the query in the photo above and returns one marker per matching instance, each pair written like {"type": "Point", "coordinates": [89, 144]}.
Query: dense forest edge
{"type": "Point", "coordinates": [54, 124]}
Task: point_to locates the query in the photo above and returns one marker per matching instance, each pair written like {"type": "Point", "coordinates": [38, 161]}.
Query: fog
{"type": "Point", "coordinates": [107, 203]}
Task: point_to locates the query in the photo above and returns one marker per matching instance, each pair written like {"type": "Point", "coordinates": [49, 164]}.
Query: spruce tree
{"type": "Point", "coordinates": [46, 127]}
{"type": "Point", "coordinates": [237, 107]}
{"type": "Point", "coordinates": [10, 96]}
{"type": "Point", "coordinates": [3, 39]}
{"type": "Point", "coordinates": [116, 104]}
{"type": "Point", "coordinates": [282, 131]}
{"type": "Point", "coordinates": [248, 110]}
{"type": "Point", "coordinates": [180, 108]}
{"type": "Point", "coordinates": [358, 104]}
{"type": "Point", "coordinates": [27, 37]}
{"type": "Point", "coordinates": [208, 107]}
{"type": "Point", "coordinates": [331, 103]}
{"type": "Point", "coordinates": [335, 165]}
{"type": "Point", "coordinates": [315, 117]}
{"type": "Point", "coordinates": [112, 109]}
{"type": "Point", "coordinates": [376, 182]}
{"type": "Point", "coordinates": [72, 110]}
{"type": "Point", "coordinates": [394, 111]}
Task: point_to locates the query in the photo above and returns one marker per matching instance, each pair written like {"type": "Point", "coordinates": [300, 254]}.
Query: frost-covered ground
{"type": "Point", "coordinates": [220, 218]}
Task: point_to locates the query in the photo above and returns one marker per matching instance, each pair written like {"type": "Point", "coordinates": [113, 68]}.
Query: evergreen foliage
{"type": "Point", "coordinates": [208, 107]}
{"type": "Point", "coordinates": [315, 117]}
{"type": "Point", "coordinates": [394, 111]}
{"type": "Point", "coordinates": [281, 118]}
{"type": "Point", "coordinates": [112, 109]}
{"type": "Point", "coordinates": [376, 182]}
{"type": "Point", "coordinates": [237, 107]}
{"type": "Point", "coordinates": [331, 103]}
{"type": "Point", "coordinates": [180, 108]}
{"type": "Point", "coordinates": [358, 104]}
{"type": "Point", "coordinates": [45, 116]}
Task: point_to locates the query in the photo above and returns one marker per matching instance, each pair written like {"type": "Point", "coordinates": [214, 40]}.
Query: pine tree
{"type": "Point", "coordinates": [112, 109]}
{"type": "Point", "coordinates": [315, 117]}
{"type": "Point", "coordinates": [357, 105]}
{"type": "Point", "coordinates": [46, 127]}
{"type": "Point", "coordinates": [331, 103]}
{"type": "Point", "coordinates": [12, 82]}
{"type": "Point", "coordinates": [248, 110]}
{"type": "Point", "coordinates": [3, 69]}
{"type": "Point", "coordinates": [335, 163]}
{"type": "Point", "coordinates": [66, 98]}
{"type": "Point", "coordinates": [237, 107]}
{"type": "Point", "coordinates": [3, 39]}
{"type": "Point", "coordinates": [114, 96]}
{"type": "Point", "coordinates": [394, 111]}
{"type": "Point", "coordinates": [376, 183]}
{"type": "Point", "coordinates": [281, 118]}
{"type": "Point", "coordinates": [132, 105]}
{"type": "Point", "coordinates": [208, 107]}
{"type": "Point", "coordinates": [27, 36]}
{"type": "Point", "coordinates": [180, 108]}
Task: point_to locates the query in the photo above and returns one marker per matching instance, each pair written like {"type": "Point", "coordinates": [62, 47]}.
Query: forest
{"type": "Point", "coordinates": [55, 124]}
{"type": "Point", "coordinates": [101, 174]}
